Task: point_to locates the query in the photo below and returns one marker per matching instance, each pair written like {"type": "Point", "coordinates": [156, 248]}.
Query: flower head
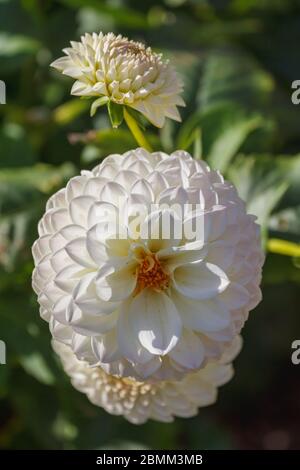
{"type": "Point", "coordinates": [127, 296]}
{"type": "Point", "coordinates": [140, 401]}
{"type": "Point", "coordinates": [126, 72]}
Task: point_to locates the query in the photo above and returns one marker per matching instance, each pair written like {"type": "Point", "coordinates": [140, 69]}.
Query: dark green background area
{"type": "Point", "coordinates": [238, 59]}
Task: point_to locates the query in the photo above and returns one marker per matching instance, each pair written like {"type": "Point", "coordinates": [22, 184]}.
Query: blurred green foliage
{"type": "Point", "coordinates": [238, 59]}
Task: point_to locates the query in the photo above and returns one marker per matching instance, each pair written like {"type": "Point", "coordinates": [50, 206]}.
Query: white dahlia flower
{"type": "Point", "coordinates": [140, 401]}
{"type": "Point", "coordinates": [126, 72]}
{"type": "Point", "coordinates": [131, 299]}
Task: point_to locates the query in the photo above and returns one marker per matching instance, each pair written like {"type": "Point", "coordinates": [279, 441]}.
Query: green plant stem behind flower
{"type": "Point", "coordinates": [136, 131]}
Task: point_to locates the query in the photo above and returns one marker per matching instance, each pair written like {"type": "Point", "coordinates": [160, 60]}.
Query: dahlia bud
{"type": "Point", "coordinates": [148, 265]}
{"type": "Point", "coordinates": [122, 73]}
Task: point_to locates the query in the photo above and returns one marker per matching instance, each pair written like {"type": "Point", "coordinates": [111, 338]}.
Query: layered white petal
{"type": "Point", "coordinates": [205, 316]}
{"type": "Point", "coordinates": [135, 300]}
{"type": "Point", "coordinates": [159, 328]}
{"type": "Point", "coordinates": [139, 401]}
{"type": "Point", "coordinates": [116, 283]}
{"type": "Point", "coordinates": [200, 280]}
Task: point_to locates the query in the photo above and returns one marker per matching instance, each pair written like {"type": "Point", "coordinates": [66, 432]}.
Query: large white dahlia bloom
{"type": "Point", "coordinates": [124, 71]}
{"type": "Point", "coordinates": [132, 300]}
{"type": "Point", "coordinates": [140, 401]}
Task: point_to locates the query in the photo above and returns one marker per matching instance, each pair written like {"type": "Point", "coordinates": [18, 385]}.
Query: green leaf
{"type": "Point", "coordinates": [41, 176]}
{"type": "Point", "coordinates": [126, 17]}
{"type": "Point", "coordinates": [227, 144]}
{"type": "Point", "coordinates": [35, 365]}
{"type": "Point", "coordinates": [290, 168]}
{"type": "Point", "coordinates": [69, 111]}
{"type": "Point", "coordinates": [225, 127]}
{"type": "Point", "coordinates": [260, 184]}
{"type": "Point", "coordinates": [12, 45]}
{"type": "Point", "coordinates": [15, 148]}
{"type": "Point", "coordinates": [279, 269]}
{"type": "Point", "coordinates": [22, 198]}
{"type": "Point", "coordinates": [185, 134]}
{"type": "Point", "coordinates": [97, 104]}
{"type": "Point", "coordinates": [115, 112]}
{"type": "Point", "coordinates": [105, 142]}
{"type": "Point", "coordinates": [231, 74]}
{"type": "Point", "coordinates": [270, 6]}
{"type": "Point", "coordinates": [64, 429]}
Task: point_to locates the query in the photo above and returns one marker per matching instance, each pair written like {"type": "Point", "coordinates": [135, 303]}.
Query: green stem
{"type": "Point", "coordinates": [136, 131]}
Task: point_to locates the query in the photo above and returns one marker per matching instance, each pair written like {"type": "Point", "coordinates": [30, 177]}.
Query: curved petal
{"type": "Point", "coordinates": [58, 199]}
{"type": "Point", "coordinates": [72, 231]}
{"type": "Point", "coordinates": [221, 253]}
{"type": "Point", "coordinates": [105, 347]}
{"type": "Point", "coordinates": [79, 209]}
{"type": "Point", "coordinates": [114, 193]}
{"type": "Point", "coordinates": [116, 282]}
{"type": "Point", "coordinates": [57, 242]}
{"type": "Point", "coordinates": [158, 183]}
{"type": "Point", "coordinates": [81, 345]}
{"type": "Point", "coordinates": [143, 188]}
{"type": "Point", "coordinates": [67, 278]}
{"type": "Point", "coordinates": [128, 341]}
{"type": "Point", "coordinates": [60, 309]}
{"type": "Point", "coordinates": [41, 248]}
{"type": "Point", "coordinates": [176, 256]}
{"type": "Point", "coordinates": [236, 296]}
{"type": "Point", "coordinates": [77, 251]}
{"type": "Point", "coordinates": [154, 319]}
{"type": "Point", "coordinates": [88, 325]}
{"type": "Point", "coordinates": [161, 229]}
{"type": "Point", "coordinates": [75, 187]}
{"type": "Point", "coordinates": [126, 178]}
{"type": "Point", "coordinates": [209, 224]}
{"type": "Point", "coordinates": [62, 333]}
{"type": "Point", "coordinates": [148, 368]}
{"type": "Point", "coordinates": [59, 259]}
{"type": "Point", "coordinates": [189, 352]}
{"type": "Point", "coordinates": [94, 186]}
{"type": "Point", "coordinates": [205, 316]}
{"type": "Point", "coordinates": [102, 249]}
{"type": "Point", "coordinates": [106, 214]}
{"type": "Point", "coordinates": [200, 280]}
{"type": "Point", "coordinates": [176, 198]}
{"type": "Point", "coordinates": [86, 298]}
{"type": "Point", "coordinates": [59, 218]}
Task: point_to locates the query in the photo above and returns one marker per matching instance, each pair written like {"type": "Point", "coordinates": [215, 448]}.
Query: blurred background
{"type": "Point", "coordinates": [238, 59]}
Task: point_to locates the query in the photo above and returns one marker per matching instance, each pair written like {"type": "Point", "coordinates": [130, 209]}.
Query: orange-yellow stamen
{"type": "Point", "coordinates": [150, 273]}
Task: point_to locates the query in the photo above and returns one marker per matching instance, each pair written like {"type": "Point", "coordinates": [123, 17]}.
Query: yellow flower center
{"type": "Point", "coordinates": [129, 47]}
{"type": "Point", "coordinates": [132, 48]}
{"type": "Point", "coordinates": [150, 273]}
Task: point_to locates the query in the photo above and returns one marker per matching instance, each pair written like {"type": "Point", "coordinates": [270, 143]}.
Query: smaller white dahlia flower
{"type": "Point", "coordinates": [126, 73]}
{"type": "Point", "coordinates": [138, 302]}
{"type": "Point", "coordinates": [140, 401]}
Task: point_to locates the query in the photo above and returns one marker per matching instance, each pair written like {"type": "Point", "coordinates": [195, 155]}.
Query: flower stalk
{"type": "Point", "coordinates": [136, 131]}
